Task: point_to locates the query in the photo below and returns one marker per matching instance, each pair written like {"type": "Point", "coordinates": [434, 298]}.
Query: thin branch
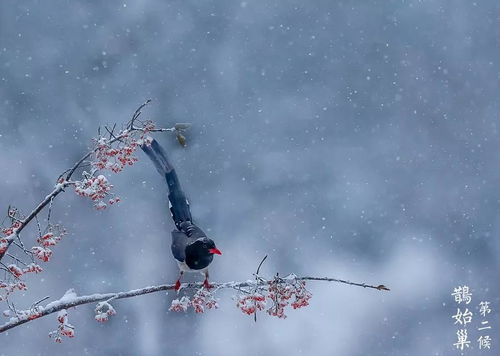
{"type": "Point", "coordinates": [326, 279]}
{"type": "Point", "coordinates": [257, 279]}
{"type": "Point", "coordinates": [50, 210]}
{"type": "Point", "coordinates": [22, 248]}
{"type": "Point", "coordinates": [6, 269]}
{"type": "Point", "coordinates": [15, 258]}
{"type": "Point", "coordinates": [65, 303]}
{"type": "Point", "coordinates": [38, 223]}
{"type": "Point", "coordinates": [137, 113]}
{"type": "Point", "coordinates": [171, 129]}
{"type": "Point", "coordinates": [41, 300]}
{"type": "Point", "coordinates": [111, 132]}
{"type": "Point", "coordinates": [260, 265]}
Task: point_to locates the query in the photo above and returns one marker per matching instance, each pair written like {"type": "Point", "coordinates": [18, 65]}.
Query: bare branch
{"type": "Point", "coordinates": [260, 264]}
{"type": "Point", "coordinates": [16, 259]}
{"type": "Point", "coordinates": [50, 210]}
{"type": "Point", "coordinates": [137, 113]}
{"type": "Point", "coordinates": [65, 303]}
{"type": "Point", "coordinates": [364, 285]}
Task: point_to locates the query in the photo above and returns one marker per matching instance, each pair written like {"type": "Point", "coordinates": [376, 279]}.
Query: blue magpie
{"type": "Point", "coordinates": [191, 247]}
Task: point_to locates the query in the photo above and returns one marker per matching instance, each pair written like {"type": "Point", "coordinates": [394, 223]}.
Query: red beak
{"type": "Point", "coordinates": [215, 251]}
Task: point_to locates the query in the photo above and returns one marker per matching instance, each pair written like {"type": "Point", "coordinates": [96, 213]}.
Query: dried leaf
{"type": "Point", "coordinates": [181, 139]}
{"type": "Point", "coordinates": [382, 287]}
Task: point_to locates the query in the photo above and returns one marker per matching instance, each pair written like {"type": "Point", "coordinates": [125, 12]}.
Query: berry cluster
{"type": "Point", "coordinates": [103, 311]}
{"type": "Point", "coordinates": [251, 303]}
{"type": "Point", "coordinates": [8, 288]}
{"type": "Point", "coordinates": [11, 229]}
{"type": "Point", "coordinates": [179, 305]}
{"type": "Point", "coordinates": [280, 292]}
{"type": "Point", "coordinates": [4, 244]}
{"type": "Point", "coordinates": [64, 328]}
{"type": "Point", "coordinates": [8, 232]}
{"type": "Point", "coordinates": [203, 299]}
{"type": "Point", "coordinates": [114, 159]}
{"type": "Point", "coordinates": [48, 239]}
{"type": "Point", "coordinates": [95, 188]}
{"type": "Point", "coordinates": [115, 155]}
{"type": "Point", "coordinates": [16, 271]}
{"type": "Point", "coordinates": [32, 268]}
{"type": "Point", "coordinates": [42, 253]}
{"type": "Point", "coordinates": [53, 235]}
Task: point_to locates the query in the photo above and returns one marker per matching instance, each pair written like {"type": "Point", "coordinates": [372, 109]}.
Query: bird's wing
{"type": "Point", "coordinates": [179, 243]}
{"type": "Point", "coordinates": [187, 234]}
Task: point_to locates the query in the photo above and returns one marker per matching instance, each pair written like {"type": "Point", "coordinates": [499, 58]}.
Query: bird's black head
{"type": "Point", "coordinates": [200, 253]}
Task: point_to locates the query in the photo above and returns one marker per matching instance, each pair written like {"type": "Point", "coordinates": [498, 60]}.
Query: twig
{"type": "Point", "coordinates": [38, 224]}
{"type": "Point", "coordinates": [260, 264]}
{"type": "Point", "coordinates": [257, 279]}
{"type": "Point", "coordinates": [111, 132]}
{"type": "Point", "coordinates": [65, 303]}
{"type": "Point", "coordinates": [6, 269]}
{"type": "Point", "coordinates": [15, 258]}
{"type": "Point", "coordinates": [137, 113]}
{"type": "Point", "coordinates": [326, 279]}
{"type": "Point", "coordinates": [22, 248]}
{"type": "Point", "coordinates": [50, 210]}
{"type": "Point", "coordinates": [41, 300]}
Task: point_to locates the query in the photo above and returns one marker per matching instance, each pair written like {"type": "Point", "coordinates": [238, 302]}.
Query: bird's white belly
{"type": "Point", "coordinates": [185, 268]}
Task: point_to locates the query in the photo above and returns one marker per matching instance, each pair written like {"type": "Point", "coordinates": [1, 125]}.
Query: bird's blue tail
{"type": "Point", "coordinates": [157, 155]}
{"type": "Point", "coordinates": [179, 206]}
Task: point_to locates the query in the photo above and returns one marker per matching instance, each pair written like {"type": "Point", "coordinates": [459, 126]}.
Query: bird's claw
{"type": "Point", "coordinates": [206, 284]}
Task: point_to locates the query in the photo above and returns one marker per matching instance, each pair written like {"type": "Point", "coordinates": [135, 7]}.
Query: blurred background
{"type": "Point", "coordinates": [356, 140]}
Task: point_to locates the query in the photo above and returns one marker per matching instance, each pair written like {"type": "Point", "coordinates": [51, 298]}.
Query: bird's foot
{"type": "Point", "coordinates": [206, 284]}
{"type": "Point", "coordinates": [177, 285]}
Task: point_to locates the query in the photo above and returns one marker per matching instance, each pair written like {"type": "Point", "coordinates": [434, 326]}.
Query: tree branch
{"type": "Point", "coordinates": [64, 178]}
{"type": "Point", "coordinates": [74, 301]}
{"type": "Point", "coordinates": [10, 239]}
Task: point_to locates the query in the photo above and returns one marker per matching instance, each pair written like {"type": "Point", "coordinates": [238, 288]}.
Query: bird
{"type": "Point", "coordinates": [191, 247]}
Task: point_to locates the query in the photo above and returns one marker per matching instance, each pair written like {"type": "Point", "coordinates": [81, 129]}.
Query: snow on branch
{"type": "Point", "coordinates": [253, 296]}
